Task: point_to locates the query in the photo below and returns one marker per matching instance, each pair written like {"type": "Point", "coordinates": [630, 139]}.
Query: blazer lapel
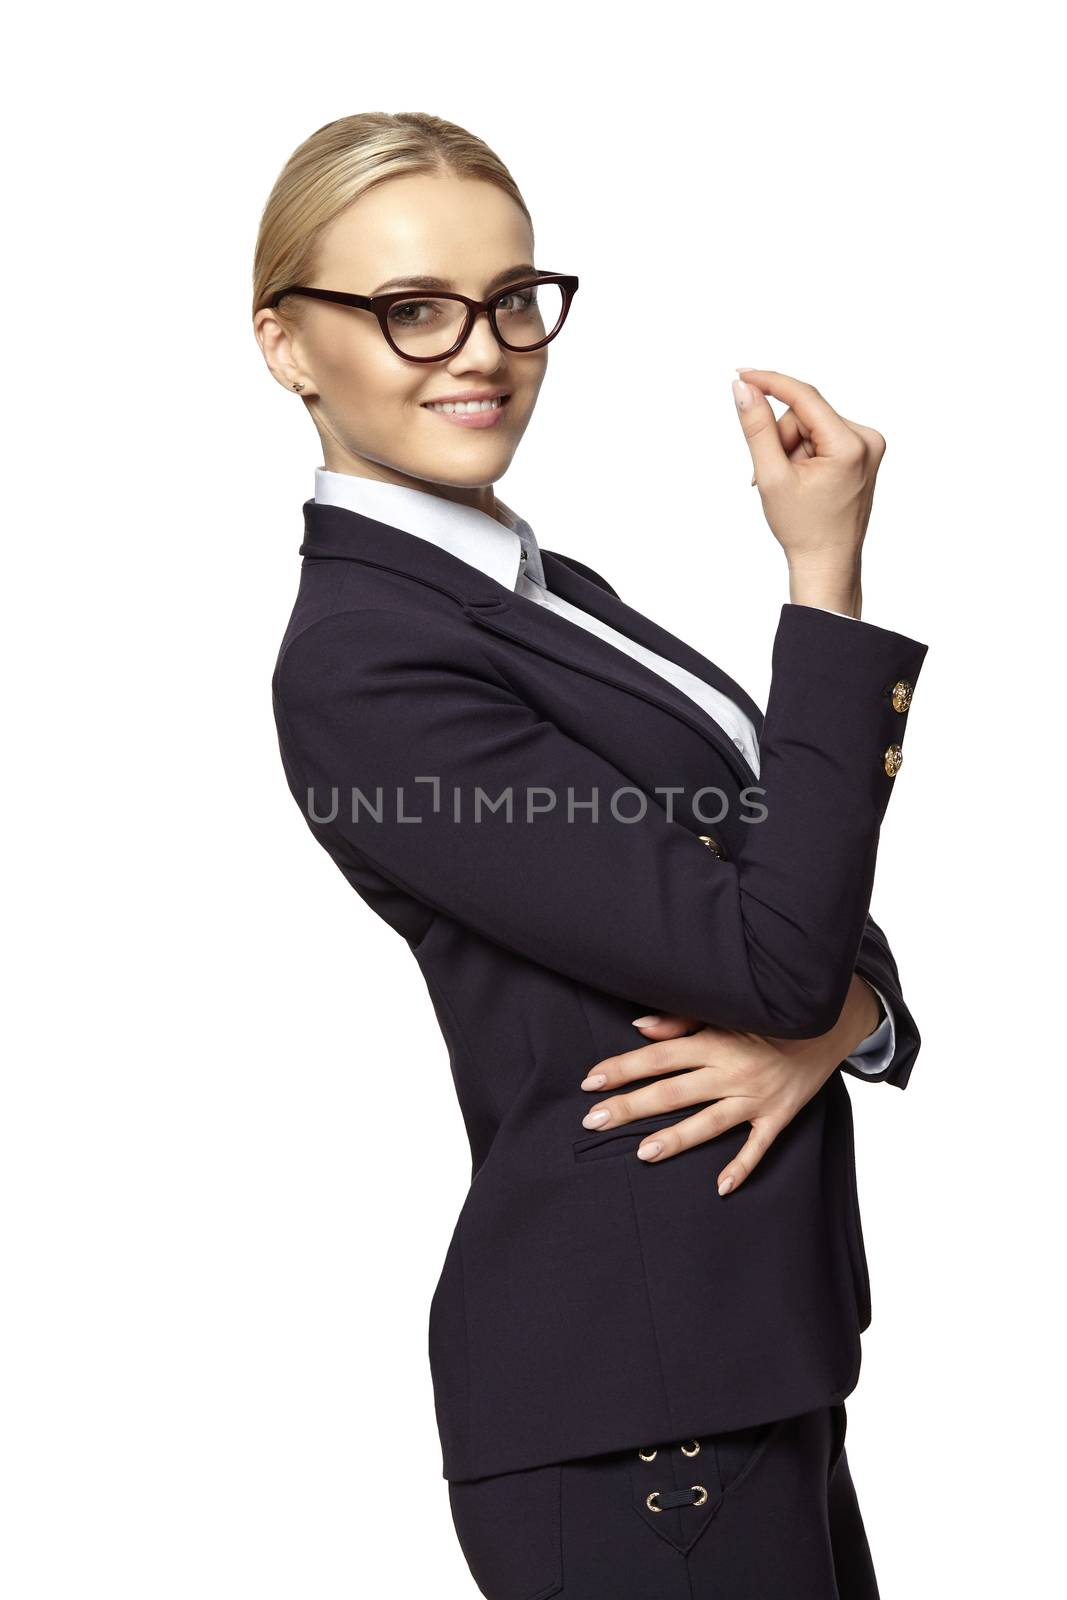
{"type": "Point", "coordinates": [333, 532]}
{"type": "Point", "coordinates": [580, 591]}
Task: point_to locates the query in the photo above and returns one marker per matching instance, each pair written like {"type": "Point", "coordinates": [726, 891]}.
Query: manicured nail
{"type": "Point", "coordinates": [742, 394]}
{"type": "Point", "coordinates": [745, 369]}
{"type": "Point", "coordinates": [596, 1080]}
{"type": "Point", "coordinates": [647, 1151]}
{"type": "Point", "coordinates": [647, 1022]}
{"type": "Point", "coordinates": [726, 1185]}
{"type": "Point", "coordinates": [594, 1119]}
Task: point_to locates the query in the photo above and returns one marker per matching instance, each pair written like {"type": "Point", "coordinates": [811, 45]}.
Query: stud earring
{"type": "Point", "coordinates": [298, 386]}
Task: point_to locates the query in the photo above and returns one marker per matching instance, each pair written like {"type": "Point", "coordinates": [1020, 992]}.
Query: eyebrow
{"type": "Point", "coordinates": [417, 281]}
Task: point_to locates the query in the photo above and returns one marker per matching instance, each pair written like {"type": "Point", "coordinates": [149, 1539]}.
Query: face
{"type": "Point", "coordinates": [371, 407]}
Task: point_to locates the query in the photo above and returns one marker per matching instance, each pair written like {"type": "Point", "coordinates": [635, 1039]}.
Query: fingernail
{"type": "Point", "coordinates": [742, 394]}
{"type": "Point", "coordinates": [647, 1151]}
{"type": "Point", "coordinates": [646, 1022]}
{"type": "Point", "coordinates": [594, 1119]}
{"type": "Point", "coordinates": [596, 1080]}
{"type": "Point", "coordinates": [726, 1185]}
{"type": "Point", "coordinates": [744, 369]}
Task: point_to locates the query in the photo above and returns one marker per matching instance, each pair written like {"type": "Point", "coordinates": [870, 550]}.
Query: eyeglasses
{"type": "Point", "coordinates": [523, 316]}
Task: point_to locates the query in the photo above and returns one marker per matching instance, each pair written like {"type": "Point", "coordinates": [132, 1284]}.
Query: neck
{"type": "Point", "coordinates": [480, 497]}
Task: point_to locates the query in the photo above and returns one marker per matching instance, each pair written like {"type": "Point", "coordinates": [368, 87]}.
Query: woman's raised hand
{"type": "Point", "coordinates": [751, 1079]}
{"type": "Point", "coordinates": [815, 471]}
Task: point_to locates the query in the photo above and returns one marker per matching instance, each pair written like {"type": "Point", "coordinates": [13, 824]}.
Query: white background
{"type": "Point", "coordinates": [223, 1071]}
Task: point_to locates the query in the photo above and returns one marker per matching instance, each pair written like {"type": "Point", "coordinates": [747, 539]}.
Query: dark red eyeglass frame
{"type": "Point", "coordinates": [380, 304]}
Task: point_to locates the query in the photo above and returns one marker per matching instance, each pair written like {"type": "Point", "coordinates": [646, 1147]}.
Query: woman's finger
{"type": "Point", "coordinates": [751, 1153]}
{"type": "Point", "coordinates": [671, 1052]}
{"type": "Point", "coordinates": [798, 443]}
{"type": "Point", "coordinates": [697, 1129]}
{"type": "Point", "coordinates": [760, 428]}
{"type": "Point", "coordinates": [874, 440]}
{"type": "Point", "coordinates": [827, 429]}
{"type": "Point", "coordinates": [693, 1087]}
{"type": "Point", "coordinates": [794, 438]}
{"type": "Point", "coordinates": [666, 1026]}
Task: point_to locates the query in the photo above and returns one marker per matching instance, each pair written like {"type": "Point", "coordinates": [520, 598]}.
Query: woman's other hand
{"type": "Point", "coordinates": [763, 1081]}
{"type": "Point", "coordinates": [815, 471]}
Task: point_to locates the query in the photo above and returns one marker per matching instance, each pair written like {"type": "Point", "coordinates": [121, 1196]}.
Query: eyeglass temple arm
{"type": "Point", "coordinates": [336, 295]}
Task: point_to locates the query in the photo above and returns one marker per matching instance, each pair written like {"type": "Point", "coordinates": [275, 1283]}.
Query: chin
{"type": "Point", "coordinates": [479, 470]}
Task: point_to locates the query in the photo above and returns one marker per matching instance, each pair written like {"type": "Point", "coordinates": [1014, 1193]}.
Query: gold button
{"type": "Point", "coordinates": [716, 849]}
{"type": "Point", "coordinates": [893, 757]}
{"type": "Point", "coordinates": [901, 693]}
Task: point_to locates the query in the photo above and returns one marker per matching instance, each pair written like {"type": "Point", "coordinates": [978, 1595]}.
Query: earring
{"type": "Point", "coordinates": [298, 385]}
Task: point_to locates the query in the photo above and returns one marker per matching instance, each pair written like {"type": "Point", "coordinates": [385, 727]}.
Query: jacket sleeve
{"type": "Point", "coordinates": [414, 750]}
{"type": "Point", "coordinates": [888, 1055]}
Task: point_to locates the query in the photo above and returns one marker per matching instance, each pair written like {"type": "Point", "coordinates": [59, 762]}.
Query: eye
{"type": "Point", "coordinates": [517, 300]}
{"type": "Point", "coordinates": [415, 313]}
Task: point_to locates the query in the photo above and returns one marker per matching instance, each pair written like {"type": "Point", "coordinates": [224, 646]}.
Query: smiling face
{"type": "Point", "coordinates": [372, 408]}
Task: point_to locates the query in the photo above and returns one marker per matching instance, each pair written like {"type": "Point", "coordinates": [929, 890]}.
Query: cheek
{"type": "Point", "coordinates": [370, 400]}
{"type": "Point", "coordinates": [362, 378]}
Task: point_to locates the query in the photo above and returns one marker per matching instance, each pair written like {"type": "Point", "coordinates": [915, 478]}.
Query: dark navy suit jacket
{"type": "Point", "coordinates": [589, 1301]}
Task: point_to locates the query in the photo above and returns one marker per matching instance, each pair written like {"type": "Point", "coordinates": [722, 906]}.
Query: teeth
{"type": "Point", "coordinates": [460, 406]}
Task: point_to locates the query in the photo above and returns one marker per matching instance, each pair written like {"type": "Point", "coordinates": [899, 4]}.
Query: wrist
{"type": "Point", "coordinates": [860, 1015]}
{"type": "Point", "coordinates": [829, 583]}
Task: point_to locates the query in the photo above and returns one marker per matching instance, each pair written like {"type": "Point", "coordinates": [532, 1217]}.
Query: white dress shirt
{"type": "Point", "coordinates": [508, 551]}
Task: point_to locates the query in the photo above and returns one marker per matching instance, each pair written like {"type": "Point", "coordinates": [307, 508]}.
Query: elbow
{"type": "Point", "coordinates": [806, 1012]}
{"type": "Point", "coordinates": [807, 1018]}
{"type": "Point", "coordinates": [806, 1023]}
{"type": "Point", "coordinates": [801, 998]}
{"type": "Point", "coordinates": [825, 1006]}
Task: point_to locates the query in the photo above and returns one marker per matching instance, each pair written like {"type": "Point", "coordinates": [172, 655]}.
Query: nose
{"type": "Point", "coordinates": [481, 349]}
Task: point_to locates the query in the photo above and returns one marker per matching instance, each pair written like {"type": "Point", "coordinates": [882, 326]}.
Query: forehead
{"type": "Point", "coordinates": [462, 229]}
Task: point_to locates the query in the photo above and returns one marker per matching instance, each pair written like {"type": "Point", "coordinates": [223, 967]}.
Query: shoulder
{"type": "Point", "coordinates": [356, 648]}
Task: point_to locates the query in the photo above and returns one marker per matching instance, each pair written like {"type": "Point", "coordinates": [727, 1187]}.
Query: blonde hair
{"type": "Point", "coordinates": [340, 162]}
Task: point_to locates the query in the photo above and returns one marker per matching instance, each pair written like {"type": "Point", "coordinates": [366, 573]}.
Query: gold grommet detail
{"type": "Point", "coordinates": [695, 1450]}
{"type": "Point", "coordinates": [648, 1455]}
{"type": "Point", "coordinates": [901, 693]}
{"type": "Point", "coordinates": [893, 758]}
{"type": "Point", "coordinates": [649, 1499]}
{"type": "Point", "coordinates": [703, 1493]}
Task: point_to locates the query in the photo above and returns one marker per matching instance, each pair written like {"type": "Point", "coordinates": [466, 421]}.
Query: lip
{"type": "Point", "coordinates": [470, 419]}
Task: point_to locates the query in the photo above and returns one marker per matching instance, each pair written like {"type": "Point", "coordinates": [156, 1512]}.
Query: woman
{"type": "Point", "coordinates": [512, 766]}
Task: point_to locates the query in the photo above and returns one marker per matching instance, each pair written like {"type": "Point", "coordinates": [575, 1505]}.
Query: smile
{"type": "Point", "coordinates": [469, 413]}
{"type": "Point", "coordinates": [465, 405]}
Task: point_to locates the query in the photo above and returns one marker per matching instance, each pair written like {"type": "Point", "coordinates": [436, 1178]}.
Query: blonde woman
{"type": "Point", "coordinates": [640, 904]}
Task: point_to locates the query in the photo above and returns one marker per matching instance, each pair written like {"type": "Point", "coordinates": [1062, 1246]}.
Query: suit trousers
{"type": "Point", "coordinates": [767, 1512]}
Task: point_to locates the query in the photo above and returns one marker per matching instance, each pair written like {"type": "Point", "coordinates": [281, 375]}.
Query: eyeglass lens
{"type": "Point", "coordinates": [428, 327]}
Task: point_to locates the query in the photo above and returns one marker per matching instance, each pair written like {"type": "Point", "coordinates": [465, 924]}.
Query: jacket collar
{"type": "Point", "coordinates": [336, 533]}
{"type": "Point", "coordinates": [503, 546]}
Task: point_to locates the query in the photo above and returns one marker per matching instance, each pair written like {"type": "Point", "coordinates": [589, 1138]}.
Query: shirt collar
{"type": "Point", "coordinates": [505, 550]}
